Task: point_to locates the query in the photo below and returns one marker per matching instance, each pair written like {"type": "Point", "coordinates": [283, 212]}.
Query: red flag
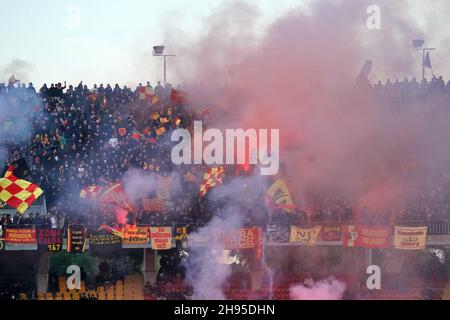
{"type": "Point", "coordinates": [115, 195]}
{"type": "Point", "coordinates": [177, 96]}
{"type": "Point", "coordinates": [121, 215]}
{"type": "Point", "coordinates": [91, 192]}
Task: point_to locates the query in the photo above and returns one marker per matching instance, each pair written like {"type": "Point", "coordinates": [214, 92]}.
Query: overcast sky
{"type": "Point", "coordinates": [109, 40]}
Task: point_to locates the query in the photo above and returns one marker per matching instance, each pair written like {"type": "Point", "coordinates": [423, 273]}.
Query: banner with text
{"type": "Point", "coordinates": [161, 238]}
{"type": "Point", "coordinates": [331, 232]}
{"type": "Point", "coordinates": [307, 236]}
{"type": "Point", "coordinates": [136, 236]}
{"type": "Point", "coordinates": [20, 236]}
{"type": "Point", "coordinates": [104, 240]}
{"type": "Point", "coordinates": [49, 239]}
{"type": "Point", "coordinates": [233, 239]}
{"type": "Point", "coordinates": [76, 239]}
{"type": "Point", "coordinates": [366, 237]}
{"type": "Point", "coordinates": [407, 238]}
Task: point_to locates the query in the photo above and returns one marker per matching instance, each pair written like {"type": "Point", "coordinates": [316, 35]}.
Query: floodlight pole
{"type": "Point", "coordinates": [165, 65]}
{"type": "Point", "coordinates": [158, 51]}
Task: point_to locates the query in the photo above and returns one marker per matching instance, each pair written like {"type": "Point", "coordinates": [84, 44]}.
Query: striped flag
{"type": "Point", "coordinates": [115, 231]}
{"type": "Point", "coordinates": [116, 196]}
{"type": "Point", "coordinates": [211, 178]}
{"type": "Point", "coordinates": [18, 193]}
{"type": "Point", "coordinates": [91, 192]}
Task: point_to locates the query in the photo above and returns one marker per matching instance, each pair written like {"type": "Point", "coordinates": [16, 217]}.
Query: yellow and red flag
{"type": "Point", "coordinates": [18, 193]}
{"type": "Point", "coordinates": [115, 195]}
{"type": "Point", "coordinates": [211, 178]}
{"type": "Point", "coordinates": [119, 232]}
{"type": "Point", "coordinates": [278, 197]}
{"type": "Point", "coordinates": [91, 192]}
{"type": "Point", "coordinates": [146, 93]}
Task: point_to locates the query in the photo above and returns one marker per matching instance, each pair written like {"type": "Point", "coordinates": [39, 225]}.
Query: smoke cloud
{"type": "Point", "coordinates": [138, 184]}
{"type": "Point", "coordinates": [205, 272]}
{"type": "Point", "coordinates": [327, 289]}
{"type": "Point", "coordinates": [17, 67]}
{"type": "Point", "coordinates": [299, 77]}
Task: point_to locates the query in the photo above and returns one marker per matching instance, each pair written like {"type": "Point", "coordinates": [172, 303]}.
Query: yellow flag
{"type": "Point", "coordinates": [279, 197]}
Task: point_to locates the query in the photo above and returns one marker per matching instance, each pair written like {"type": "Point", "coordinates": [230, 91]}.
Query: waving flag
{"type": "Point", "coordinates": [115, 231]}
{"type": "Point", "coordinates": [91, 192]}
{"type": "Point", "coordinates": [12, 80]}
{"type": "Point", "coordinates": [211, 178]}
{"type": "Point", "coordinates": [116, 196]}
{"type": "Point", "coordinates": [18, 193]}
{"type": "Point", "coordinates": [427, 61]}
{"type": "Point", "coordinates": [278, 197]}
{"type": "Point", "coordinates": [417, 43]}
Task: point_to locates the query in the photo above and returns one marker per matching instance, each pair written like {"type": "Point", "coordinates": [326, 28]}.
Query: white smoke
{"type": "Point", "coordinates": [327, 289]}
{"type": "Point", "coordinates": [138, 184]}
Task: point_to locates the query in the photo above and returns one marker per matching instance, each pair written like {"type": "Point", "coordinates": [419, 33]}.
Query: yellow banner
{"type": "Point", "coordinates": [280, 197]}
{"type": "Point", "coordinates": [307, 236]}
{"type": "Point", "coordinates": [406, 238]}
{"type": "Point", "coordinates": [135, 235]}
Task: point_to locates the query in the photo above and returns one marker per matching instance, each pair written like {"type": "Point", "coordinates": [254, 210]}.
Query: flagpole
{"type": "Point", "coordinates": [424, 51]}
{"type": "Point", "coordinates": [423, 64]}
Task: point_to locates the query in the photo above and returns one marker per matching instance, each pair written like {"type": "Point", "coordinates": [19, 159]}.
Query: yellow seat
{"type": "Point", "coordinates": [119, 296]}
{"type": "Point", "coordinates": [67, 296]}
{"type": "Point", "coordinates": [75, 295]}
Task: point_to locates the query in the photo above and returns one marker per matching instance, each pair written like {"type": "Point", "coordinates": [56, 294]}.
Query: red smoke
{"type": "Point", "coordinates": [298, 77]}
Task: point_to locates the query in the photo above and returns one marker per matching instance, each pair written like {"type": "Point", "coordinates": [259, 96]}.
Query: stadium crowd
{"type": "Point", "coordinates": [75, 136]}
